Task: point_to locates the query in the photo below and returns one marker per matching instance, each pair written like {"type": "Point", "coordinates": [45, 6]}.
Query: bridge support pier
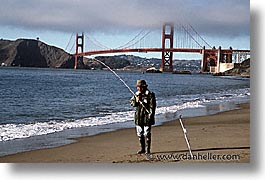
{"type": "Point", "coordinates": [204, 60]}
{"type": "Point", "coordinates": [209, 58]}
{"type": "Point", "coordinates": [167, 42]}
{"type": "Point", "coordinates": [229, 56]}
{"type": "Point", "coordinates": [219, 59]}
{"type": "Point", "coordinates": [213, 58]}
{"type": "Point", "coordinates": [79, 46]}
{"type": "Point", "coordinates": [226, 56]}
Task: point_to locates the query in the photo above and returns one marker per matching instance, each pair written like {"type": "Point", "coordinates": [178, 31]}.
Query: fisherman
{"type": "Point", "coordinates": [145, 102]}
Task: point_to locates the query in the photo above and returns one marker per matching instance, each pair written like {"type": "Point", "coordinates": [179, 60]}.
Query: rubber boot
{"type": "Point", "coordinates": [148, 144]}
{"type": "Point", "coordinates": [142, 144]}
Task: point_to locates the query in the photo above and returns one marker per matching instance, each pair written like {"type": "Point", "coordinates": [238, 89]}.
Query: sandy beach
{"type": "Point", "coordinates": [223, 138]}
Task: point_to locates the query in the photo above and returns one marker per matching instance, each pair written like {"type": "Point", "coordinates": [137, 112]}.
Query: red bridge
{"type": "Point", "coordinates": [212, 58]}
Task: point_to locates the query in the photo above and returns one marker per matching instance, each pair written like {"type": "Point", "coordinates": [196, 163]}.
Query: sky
{"type": "Point", "coordinates": [114, 22]}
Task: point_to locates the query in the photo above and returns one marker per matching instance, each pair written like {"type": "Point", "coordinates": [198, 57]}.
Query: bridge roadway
{"type": "Point", "coordinates": [145, 50]}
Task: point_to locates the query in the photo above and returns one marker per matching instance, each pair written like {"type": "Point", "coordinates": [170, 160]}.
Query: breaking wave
{"type": "Point", "coordinates": [16, 131]}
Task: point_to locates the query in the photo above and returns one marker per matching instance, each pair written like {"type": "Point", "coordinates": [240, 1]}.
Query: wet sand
{"type": "Point", "coordinates": [222, 138]}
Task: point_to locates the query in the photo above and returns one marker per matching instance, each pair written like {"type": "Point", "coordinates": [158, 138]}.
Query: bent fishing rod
{"type": "Point", "coordinates": [122, 82]}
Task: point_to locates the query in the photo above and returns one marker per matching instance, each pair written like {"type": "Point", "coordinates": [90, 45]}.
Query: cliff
{"type": "Point", "coordinates": [242, 69]}
{"type": "Point", "coordinates": [33, 53]}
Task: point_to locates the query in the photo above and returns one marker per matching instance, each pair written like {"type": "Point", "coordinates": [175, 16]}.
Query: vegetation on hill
{"type": "Point", "coordinates": [33, 53]}
{"type": "Point", "coordinates": [242, 69]}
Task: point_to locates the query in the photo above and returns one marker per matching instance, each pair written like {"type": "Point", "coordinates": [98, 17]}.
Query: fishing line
{"type": "Point", "coordinates": [115, 75]}
{"type": "Point", "coordinates": [121, 81]}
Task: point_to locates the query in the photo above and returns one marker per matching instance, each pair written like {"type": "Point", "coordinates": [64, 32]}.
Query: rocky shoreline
{"type": "Point", "coordinates": [242, 70]}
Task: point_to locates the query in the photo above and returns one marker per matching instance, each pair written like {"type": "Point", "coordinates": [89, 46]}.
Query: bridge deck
{"type": "Point", "coordinates": [145, 50]}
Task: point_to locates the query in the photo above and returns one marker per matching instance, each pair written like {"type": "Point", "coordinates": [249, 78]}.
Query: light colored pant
{"type": "Point", "coordinates": [143, 131]}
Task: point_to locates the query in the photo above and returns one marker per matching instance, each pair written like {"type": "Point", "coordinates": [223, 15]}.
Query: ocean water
{"type": "Point", "coordinates": [42, 108]}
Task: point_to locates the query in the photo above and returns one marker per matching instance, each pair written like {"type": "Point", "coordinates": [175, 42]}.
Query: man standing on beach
{"type": "Point", "coordinates": [145, 103]}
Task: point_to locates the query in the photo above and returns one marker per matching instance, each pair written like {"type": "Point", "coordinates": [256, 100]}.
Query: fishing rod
{"type": "Point", "coordinates": [121, 81]}
{"type": "Point", "coordinates": [185, 135]}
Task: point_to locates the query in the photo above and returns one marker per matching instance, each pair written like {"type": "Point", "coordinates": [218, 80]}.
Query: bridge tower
{"type": "Point", "coordinates": [209, 58]}
{"type": "Point", "coordinates": [167, 42]}
{"type": "Point", "coordinates": [79, 46]}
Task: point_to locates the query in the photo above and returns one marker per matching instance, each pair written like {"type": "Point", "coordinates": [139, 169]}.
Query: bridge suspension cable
{"type": "Point", "coordinates": [126, 44]}
{"type": "Point", "coordinates": [72, 47]}
{"type": "Point", "coordinates": [69, 42]}
{"type": "Point", "coordinates": [138, 38]}
{"type": "Point", "coordinates": [190, 35]}
{"type": "Point", "coordinates": [96, 42]}
{"type": "Point", "coordinates": [200, 36]}
{"type": "Point", "coordinates": [187, 37]}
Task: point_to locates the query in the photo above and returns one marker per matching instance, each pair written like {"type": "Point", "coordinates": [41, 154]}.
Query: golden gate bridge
{"type": "Point", "coordinates": [174, 39]}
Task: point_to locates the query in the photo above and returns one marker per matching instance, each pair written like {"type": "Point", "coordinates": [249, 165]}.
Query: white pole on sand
{"type": "Point", "coordinates": [185, 135]}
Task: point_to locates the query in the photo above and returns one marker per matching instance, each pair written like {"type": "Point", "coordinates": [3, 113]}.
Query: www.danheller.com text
{"type": "Point", "coordinates": [197, 157]}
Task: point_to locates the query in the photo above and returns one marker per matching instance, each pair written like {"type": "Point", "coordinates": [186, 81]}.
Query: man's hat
{"type": "Point", "coordinates": [141, 83]}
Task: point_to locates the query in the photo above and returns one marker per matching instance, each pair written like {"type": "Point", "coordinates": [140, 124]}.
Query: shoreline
{"type": "Point", "coordinates": [224, 133]}
{"type": "Point", "coordinates": [68, 136]}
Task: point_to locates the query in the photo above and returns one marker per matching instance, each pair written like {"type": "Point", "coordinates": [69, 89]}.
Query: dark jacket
{"type": "Point", "coordinates": [145, 111]}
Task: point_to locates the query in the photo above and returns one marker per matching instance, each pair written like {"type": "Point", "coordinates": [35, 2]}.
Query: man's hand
{"type": "Point", "coordinates": [137, 99]}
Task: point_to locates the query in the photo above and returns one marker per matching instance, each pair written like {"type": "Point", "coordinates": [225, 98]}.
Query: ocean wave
{"type": "Point", "coordinates": [16, 131]}
{"type": "Point", "coordinates": [177, 107]}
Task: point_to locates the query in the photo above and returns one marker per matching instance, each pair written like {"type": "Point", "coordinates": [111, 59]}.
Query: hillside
{"type": "Point", "coordinates": [33, 53]}
{"type": "Point", "coordinates": [242, 69]}
{"type": "Point", "coordinates": [130, 62]}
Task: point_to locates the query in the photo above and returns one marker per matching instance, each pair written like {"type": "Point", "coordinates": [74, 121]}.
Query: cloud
{"type": "Point", "coordinates": [219, 17]}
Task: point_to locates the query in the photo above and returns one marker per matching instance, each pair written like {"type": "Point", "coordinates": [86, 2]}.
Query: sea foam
{"type": "Point", "coordinates": [16, 131]}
